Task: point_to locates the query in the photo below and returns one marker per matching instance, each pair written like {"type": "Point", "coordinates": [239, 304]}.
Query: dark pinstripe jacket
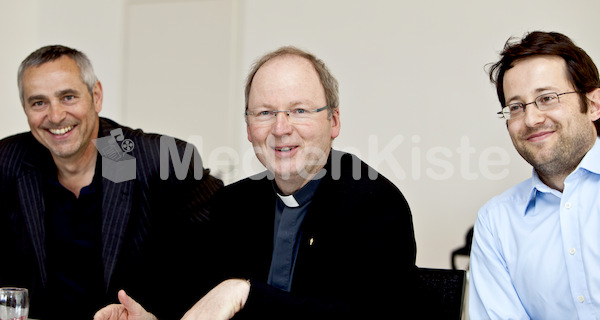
{"type": "Point", "coordinates": [148, 224]}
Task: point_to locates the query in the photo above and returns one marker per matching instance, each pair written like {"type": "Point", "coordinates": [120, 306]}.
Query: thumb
{"type": "Point", "coordinates": [133, 308]}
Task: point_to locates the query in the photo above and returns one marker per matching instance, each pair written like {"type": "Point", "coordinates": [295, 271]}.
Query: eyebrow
{"type": "Point", "coordinates": [292, 104]}
{"type": "Point", "coordinates": [538, 91]}
{"type": "Point", "coordinates": [66, 92]}
{"type": "Point", "coordinates": [35, 98]}
{"type": "Point", "coordinates": [56, 94]}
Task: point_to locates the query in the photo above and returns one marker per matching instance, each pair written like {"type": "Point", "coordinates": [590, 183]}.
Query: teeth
{"type": "Point", "coordinates": [61, 131]}
{"type": "Point", "coordinates": [284, 149]}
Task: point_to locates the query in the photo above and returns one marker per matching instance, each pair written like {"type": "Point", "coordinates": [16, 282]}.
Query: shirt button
{"type": "Point", "coordinates": [568, 205]}
{"type": "Point", "coordinates": [572, 251]}
{"type": "Point", "coordinates": [581, 299]}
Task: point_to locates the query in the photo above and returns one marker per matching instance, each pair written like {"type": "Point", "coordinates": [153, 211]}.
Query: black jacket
{"type": "Point", "coordinates": [357, 249]}
{"type": "Point", "coordinates": [149, 225]}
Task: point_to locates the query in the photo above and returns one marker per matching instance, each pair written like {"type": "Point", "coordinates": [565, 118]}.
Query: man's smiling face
{"type": "Point", "coordinates": [292, 151]}
{"type": "Point", "coordinates": [61, 113]}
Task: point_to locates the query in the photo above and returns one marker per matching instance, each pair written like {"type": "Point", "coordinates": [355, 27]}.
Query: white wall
{"type": "Point", "coordinates": [15, 45]}
{"type": "Point", "coordinates": [415, 100]}
{"type": "Point", "coordinates": [94, 27]}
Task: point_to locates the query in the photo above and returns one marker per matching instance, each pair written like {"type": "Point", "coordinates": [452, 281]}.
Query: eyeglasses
{"type": "Point", "coordinates": [544, 102]}
{"type": "Point", "coordinates": [296, 115]}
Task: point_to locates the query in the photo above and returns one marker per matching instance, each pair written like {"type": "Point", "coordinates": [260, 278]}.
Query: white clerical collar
{"type": "Point", "coordinates": [289, 201]}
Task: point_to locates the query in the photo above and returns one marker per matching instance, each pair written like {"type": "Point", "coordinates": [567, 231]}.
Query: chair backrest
{"type": "Point", "coordinates": [464, 251]}
{"type": "Point", "coordinates": [443, 292]}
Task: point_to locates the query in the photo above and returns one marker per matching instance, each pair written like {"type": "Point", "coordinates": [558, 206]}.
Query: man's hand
{"type": "Point", "coordinates": [129, 309]}
{"type": "Point", "coordinates": [222, 302]}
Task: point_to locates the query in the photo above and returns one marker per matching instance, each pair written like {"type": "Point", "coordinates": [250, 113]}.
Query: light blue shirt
{"type": "Point", "coordinates": [536, 251]}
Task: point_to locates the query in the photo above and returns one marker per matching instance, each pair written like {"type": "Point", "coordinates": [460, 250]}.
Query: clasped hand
{"type": "Point", "coordinates": [220, 303]}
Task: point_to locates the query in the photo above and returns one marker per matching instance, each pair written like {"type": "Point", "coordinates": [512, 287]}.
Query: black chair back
{"type": "Point", "coordinates": [442, 292]}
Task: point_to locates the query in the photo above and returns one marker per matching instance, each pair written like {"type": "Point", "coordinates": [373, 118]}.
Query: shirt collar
{"type": "Point", "coordinates": [591, 161]}
{"type": "Point", "coordinates": [289, 201]}
{"type": "Point", "coordinates": [537, 185]}
{"type": "Point", "coordinates": [300, 197]}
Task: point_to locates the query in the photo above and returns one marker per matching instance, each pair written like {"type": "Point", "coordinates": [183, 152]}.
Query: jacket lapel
{"type": "Point", "coordinates": [32, 204]}
{"type": "Point", "coordinates": [117, 200]}
{"type": "Point", "coordinates": [31, 199]}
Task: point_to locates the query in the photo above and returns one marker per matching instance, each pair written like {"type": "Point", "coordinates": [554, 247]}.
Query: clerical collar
{"type": "Point", "coordinates": [300, 197]}
{"type": "Point", "coordinates": [289, 201]}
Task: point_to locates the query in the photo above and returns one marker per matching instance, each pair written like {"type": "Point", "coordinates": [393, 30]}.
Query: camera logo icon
{"type": "Point", "coordinates": [117, 164]}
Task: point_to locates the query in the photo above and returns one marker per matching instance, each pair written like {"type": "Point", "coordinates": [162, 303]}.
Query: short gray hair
{"type": "Point", "coordinates": [328, 81]}
{"type": "Point", "coordinates": [54, 52]}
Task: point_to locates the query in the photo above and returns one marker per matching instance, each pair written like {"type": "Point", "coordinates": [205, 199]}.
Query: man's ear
{"type": "Point", "coordinates": [97, 95]}
{"type": "Point", "coordinates": [335, 123]}
{"type": "Point", "coordinates": [248, 132]}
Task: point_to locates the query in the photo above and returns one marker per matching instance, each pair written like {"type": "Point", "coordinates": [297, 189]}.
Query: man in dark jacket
{"type": "Point", "coordinates": [84, 210]}
{"type": "Point", "coordinates": [319, 235]}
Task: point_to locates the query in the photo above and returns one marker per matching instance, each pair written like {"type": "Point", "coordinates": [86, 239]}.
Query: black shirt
{"type": "Point", "coordinates": [289, 216]}
{"type": "Point", "coordinates": [73, 246]}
